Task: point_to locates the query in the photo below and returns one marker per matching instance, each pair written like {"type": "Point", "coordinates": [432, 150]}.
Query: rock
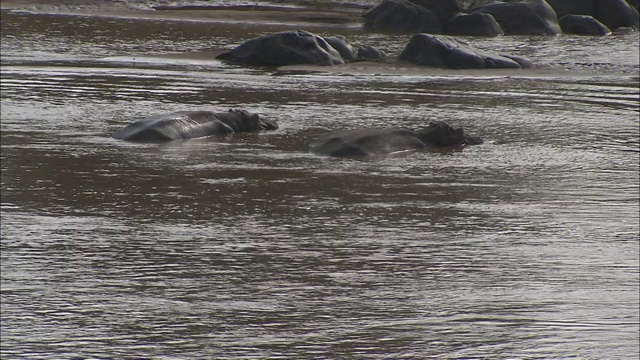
{"type": "Point", "coordinates": [616, 14]}
{"type": "Point", "coordinates": [444, 9]}
{"type": "Point", "coordinates": [523, 17]}
{"type": "Point", "coordinates": [479, 24]}
{"type": "Point", "coordinates": [523, 62]}
{"type": "Point", "coordinates": [447, 52]}
{"type": "Point", "coordinates": [583, 25]}
{"type": "Point", "coordinates": [612, 13]}
{"type": "Point", "coordinates": [343, 47]}
{"type": "Point", "coordinates": [370, 53]}
{"type": "Point", "coordinates": [284, 48]}
{"type": "Point", "coordinates": [398, 16]}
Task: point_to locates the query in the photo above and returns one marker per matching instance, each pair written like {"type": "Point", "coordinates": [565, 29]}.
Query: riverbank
{"type": "Point", "coordinates": [328, 14]}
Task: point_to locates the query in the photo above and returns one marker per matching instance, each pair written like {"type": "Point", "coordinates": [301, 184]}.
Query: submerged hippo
{"type": "Point", "coordinates": [192, 124]}
{"type": "Point", "coordinates": [370, 142]}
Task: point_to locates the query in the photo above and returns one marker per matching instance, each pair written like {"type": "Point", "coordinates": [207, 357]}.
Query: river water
{"type": "Point", "coordinates": [250, 247]}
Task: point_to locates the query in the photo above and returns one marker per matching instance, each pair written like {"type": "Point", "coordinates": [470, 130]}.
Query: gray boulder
{"type": "Point", "coordinates": [447, 52]}
{"type": "Point", "coordinates": [370, 53]}
{"type": "Point", "coordinates": [583, 25]}
{"type": "Point", "coordinates": [284, 48]}
{"type": "Point", "coordinates": [523, 17]}
{"type": "Point", "coordinates": [399, 16]}
{"type": "Point", "coordinates": [444, 9]}
{"type": "Point", "coordinates": [479, 24]}
{"type": "Point", "coordinates": [612, 13]}
{"type": "Point", "coordinates": [343, 47]}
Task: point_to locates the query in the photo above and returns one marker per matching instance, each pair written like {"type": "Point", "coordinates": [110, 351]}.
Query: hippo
{"type": "Point", "coordinates": [284, 48]}
{"type": "Point", "coordinates": [448, 52]}
{"type": "Point", "coordinates": [192, 124]}
{"type": "Point", "coordinates": [371, 142]}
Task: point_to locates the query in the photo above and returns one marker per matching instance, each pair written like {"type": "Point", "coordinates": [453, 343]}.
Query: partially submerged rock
{"type": "Point", "coordinates": [344, 48]}
{"type": "Point", "coordinates": [370, 53]}
{"type": "Point", "coordinates": [447, 52]}
{"type": "Point", "coordinates": [583, 25]}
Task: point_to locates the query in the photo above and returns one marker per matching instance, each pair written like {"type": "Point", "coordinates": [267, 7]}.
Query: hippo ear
{"type": "Point", "coordinates": [432, 123]}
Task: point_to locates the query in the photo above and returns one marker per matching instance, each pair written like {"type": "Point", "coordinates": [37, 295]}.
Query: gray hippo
{"type": "Point", "coordinates": [447, 52]}
{"type": "Point", "coordinates": [371, 142]}
{"type": "Point", "coordinates": [192, 124]}
{"type": "Point", "coordinates": [284, 48]}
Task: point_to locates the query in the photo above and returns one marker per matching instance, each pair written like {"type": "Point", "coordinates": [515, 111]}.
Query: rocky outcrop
{"type": "Point", "coordinates": [612, 13]}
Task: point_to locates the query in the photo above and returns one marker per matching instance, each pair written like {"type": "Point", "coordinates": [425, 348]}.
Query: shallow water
{"type": "Point", "coordinates": [250, 247]}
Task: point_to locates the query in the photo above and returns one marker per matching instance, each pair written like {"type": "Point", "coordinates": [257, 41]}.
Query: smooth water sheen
{"type": "Point", "coordinates": [250, 247]}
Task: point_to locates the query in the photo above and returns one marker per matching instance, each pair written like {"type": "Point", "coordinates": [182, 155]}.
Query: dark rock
{"type": "Point", "coordinates": [479, 24]}
{"type": "Point", "coordinates": [447, 52]}
{"type": "Point", "coordinates": [398, 16]}
{"type": "Point", "coordinates": [523, 62]}
{"type": "Point", "coordinates": [616, 14]}
{"type": "Point", "coordinates": [370, 53]}
{"type": "Point", "coordinates": [523, 17]}
{"type": "Point", "coordinates": [612, 13]}
{"type": "Point", "coordinates": [575, 7]}
{"type": "Point", "coordinates": [343, 47]}
{"type": "Point", "coordinates": [583, 25]}
{"type": "Point", "coordinates": [284, 48]}
{"type": "Point", "coordinates": [444, 9]}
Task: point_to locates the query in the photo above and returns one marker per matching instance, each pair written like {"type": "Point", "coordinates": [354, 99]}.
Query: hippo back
{"type": "Point", "coordinates": [366, 142]}
{"type": "Point", "coordinates": [193, 124]}
{"type": "Point", "coordinates": [173, 126]}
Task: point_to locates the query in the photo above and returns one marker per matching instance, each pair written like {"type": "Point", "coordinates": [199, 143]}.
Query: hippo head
{"type": "Point", "coordinates": [266, 124]}
{"type": "Point", "coordinates": [441, 134]}
{"type": "Point", "coordinates": [254, 122]}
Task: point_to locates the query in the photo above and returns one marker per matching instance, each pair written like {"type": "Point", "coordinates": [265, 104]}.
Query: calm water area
{"type": "Point", "coordinates": [250, 247]}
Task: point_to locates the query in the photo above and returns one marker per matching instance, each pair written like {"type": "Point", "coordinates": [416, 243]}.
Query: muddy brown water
{"type": "Point", "coordinates": [250, 247]}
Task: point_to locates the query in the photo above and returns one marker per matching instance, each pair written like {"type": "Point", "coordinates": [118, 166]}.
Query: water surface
{"type": "Point", "coordinates": [250, 247]}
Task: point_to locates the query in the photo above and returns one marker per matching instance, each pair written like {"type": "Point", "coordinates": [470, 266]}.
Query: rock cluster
{"type": "Point", "coordinates": [508, 17]}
